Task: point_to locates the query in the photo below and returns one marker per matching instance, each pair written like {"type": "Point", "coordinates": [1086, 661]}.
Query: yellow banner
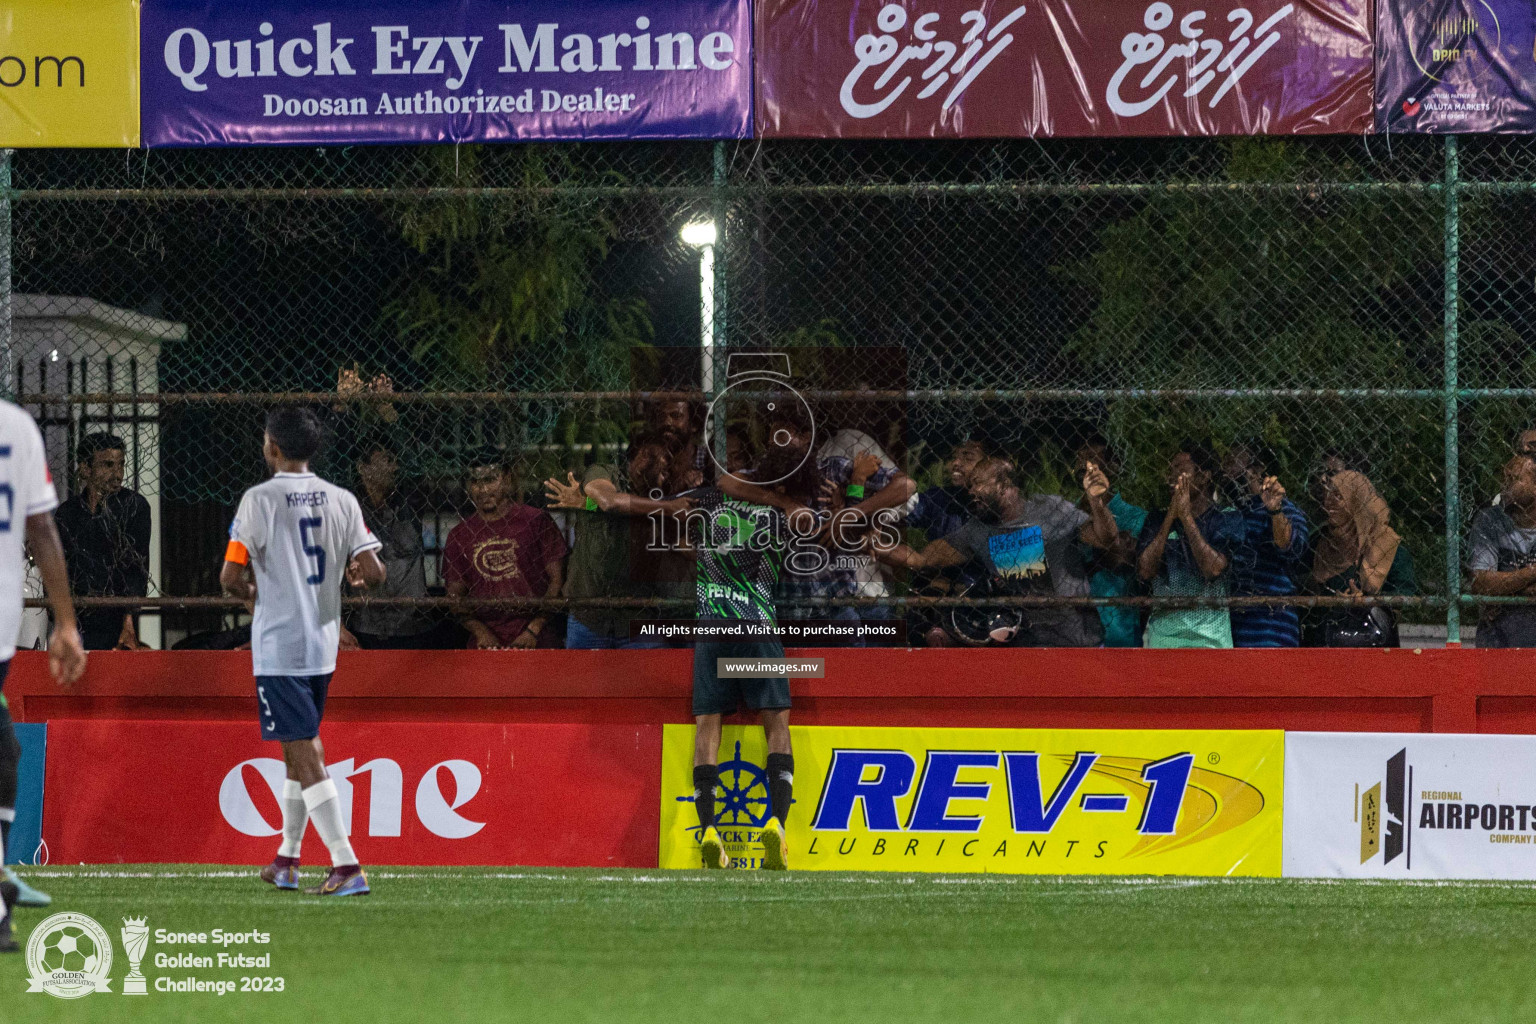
{"type": "Point", "coordinates": [1037, 801]}
{"type": "Point", "coordinates": [69, 73]}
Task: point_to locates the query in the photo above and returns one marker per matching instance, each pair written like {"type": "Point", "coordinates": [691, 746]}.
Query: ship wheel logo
{"type": "Point", "coordinates": [741, 795]}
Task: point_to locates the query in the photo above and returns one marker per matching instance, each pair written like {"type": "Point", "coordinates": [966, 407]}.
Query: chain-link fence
{"type": "Point", "coordinates": [1324, 305]}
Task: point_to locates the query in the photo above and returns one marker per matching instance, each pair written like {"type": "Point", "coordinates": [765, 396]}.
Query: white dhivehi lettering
{"type": "Point", "coordinates": [386, 799]}
{"type": "Point", "coordinates": [1205, 57]}
{"type": "Point", "coordinates": [329, 56]}
{"type": "Point", "coordinates": [947, 60]}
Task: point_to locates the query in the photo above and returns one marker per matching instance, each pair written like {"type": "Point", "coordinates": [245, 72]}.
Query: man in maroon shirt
{"type": "Point", "coordinates": [506, 549]}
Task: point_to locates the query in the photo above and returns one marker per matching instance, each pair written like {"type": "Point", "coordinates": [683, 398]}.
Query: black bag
{"type": "Point", "coordinates": [1355, 627]}
{"type": "Point", "coordinates": [988, 627]}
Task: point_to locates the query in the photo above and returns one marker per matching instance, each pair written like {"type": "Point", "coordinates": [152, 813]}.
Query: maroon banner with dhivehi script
{"type": "Point", "coordinates": [1003, 68]}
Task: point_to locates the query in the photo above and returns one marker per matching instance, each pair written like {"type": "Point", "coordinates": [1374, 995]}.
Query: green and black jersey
{"type": "Point", "coordinates": [740, 550]}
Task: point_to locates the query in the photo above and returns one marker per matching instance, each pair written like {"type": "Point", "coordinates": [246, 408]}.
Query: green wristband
{"type": "Point", "coordinates": [855, 490]}
{"type": "Point", "coordinates": [591, 504]}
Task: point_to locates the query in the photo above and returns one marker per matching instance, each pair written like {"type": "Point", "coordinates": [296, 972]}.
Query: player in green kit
{"type": "Point", "coordinates": [741, 547]}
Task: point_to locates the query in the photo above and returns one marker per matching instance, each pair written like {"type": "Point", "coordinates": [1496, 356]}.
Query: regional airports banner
{"type": "Point", "coordinates": [1047, 801]}
{"type": "Point", "coordinates": [1455, 66]}
{"type": "Point", "coordinates": [304, 71]}
{"type": "Point", "coordinates": [1410, 805]}
{"type": "Point", "coordinates": [1000, 68]}
{"type": "Point", "coordinates": [69, 73]}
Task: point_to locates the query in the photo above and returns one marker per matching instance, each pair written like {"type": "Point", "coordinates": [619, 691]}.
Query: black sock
{"type": "Point", "coordinates": [781, 784]}
{"type": "Point", "coordinates": [5, 840]}
{"type": "Point", "coordinates": [704, 778]}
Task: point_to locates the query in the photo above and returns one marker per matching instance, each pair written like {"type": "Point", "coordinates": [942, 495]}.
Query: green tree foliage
{"type": "Point", "coordinates": [508, 294]}
{"type": "Point", "coordinates": [1278, 275]}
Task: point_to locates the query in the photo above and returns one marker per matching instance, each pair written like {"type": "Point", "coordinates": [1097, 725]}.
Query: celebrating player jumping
{"type": "Point", "coordinates": [293, 532]}
{"type": "Point", "coordinates": [740, 534]}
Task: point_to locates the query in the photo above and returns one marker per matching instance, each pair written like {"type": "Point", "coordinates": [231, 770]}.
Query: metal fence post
{"type": "Point", "coordinates": [718, 213]}
{"type": "Point", "coordinates": [7, 339]}
{"type": "Point", "coordinates": [1452, 399]}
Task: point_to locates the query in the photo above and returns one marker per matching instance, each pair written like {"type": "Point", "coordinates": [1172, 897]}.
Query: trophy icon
{"type": "Point", "coordinates": [135, 940]}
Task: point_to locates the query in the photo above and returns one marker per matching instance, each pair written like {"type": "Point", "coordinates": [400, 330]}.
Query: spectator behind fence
{"type": "Point", "coordinates": [105, 530]}
{"type": "Point", "coordinates": [398, 528]}
{"type": "Point", "coordinates": [1524, 444]}
{"type": "Point", "coordinates": [609, 558]}
{"type": "Point", "coordinates": [1356, 553]}
{"type": "Point", "coordinates": [1502, 558]}
{"type": "Point", "coordinates": [854, 490]}
{"type": "Point", "coordinates": [1114, 569]}
{"type": "Point", "coordinates": [938, 512]}
{"type": "Point", "coordinates": [1028, 547]}
{"type": "Point", "coordinates": [506, 549]}
{"type": "Point", "coordinates": [1188, 550]}
{"type": "Point", "coordinates": [1275, 535]}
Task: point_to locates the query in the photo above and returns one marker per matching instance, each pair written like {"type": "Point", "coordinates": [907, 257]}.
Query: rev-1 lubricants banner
{"type": "Point", "coordinates": [308, 71]}
{"type": "Point", "coordinates": [1049, 801]}
{"type": "Point", "coordinates": [69, 73]}
{"type": "Point", "coordinates": [1000, 68]}
{"type": "Point", "coordinates": [1455, 66]}
{"type": "Point", "coordinates": [1410, 805]}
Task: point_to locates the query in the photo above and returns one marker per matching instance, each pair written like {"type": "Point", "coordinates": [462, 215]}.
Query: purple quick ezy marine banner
{"type": "Point", "coordinates": [407, 71]}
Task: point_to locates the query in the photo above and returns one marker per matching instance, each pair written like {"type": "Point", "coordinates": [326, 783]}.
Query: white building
{"type": "Point", "coordinates": [66, 345]}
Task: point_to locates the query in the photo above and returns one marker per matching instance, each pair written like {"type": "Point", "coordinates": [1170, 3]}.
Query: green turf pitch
{"type": "Point", "coordinates": [690, 948]}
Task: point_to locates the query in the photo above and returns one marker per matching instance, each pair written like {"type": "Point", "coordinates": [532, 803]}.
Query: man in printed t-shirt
{"type": "Point", "coordinates": [1030, 543]}
{"type": "Point", "coordinates": [1502, 558]}
{"type": "Point", "coordinates": [506, 549]}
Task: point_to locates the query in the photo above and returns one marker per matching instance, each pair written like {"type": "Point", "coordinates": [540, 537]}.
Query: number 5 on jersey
{"type": "Point", "coordinates": [312, 549]}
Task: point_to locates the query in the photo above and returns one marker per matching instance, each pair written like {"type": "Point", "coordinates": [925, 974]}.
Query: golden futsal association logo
{"type": "Point", "coordinates": [69, 956]}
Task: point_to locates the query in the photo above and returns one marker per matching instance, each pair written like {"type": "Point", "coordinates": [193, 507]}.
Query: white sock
{"type": "Point", "coordinates": [324, 805]}
{"type": "Point", "coordinates": [7, 815]}
{"type": "Point", "coordinates": [295, 817]}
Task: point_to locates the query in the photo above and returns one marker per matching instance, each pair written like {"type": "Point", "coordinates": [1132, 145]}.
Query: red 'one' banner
{"type": "Point", "coordinates": [438, 793]}
{"type": "Point", "coordinates": [1001, 68]}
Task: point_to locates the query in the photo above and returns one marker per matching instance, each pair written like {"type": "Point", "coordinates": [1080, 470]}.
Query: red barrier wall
{"type": "Point", "coordinates": [566, 744]}
{"type": "Point", "coordinates": [418, 793]}
{"type": "Point", "coordinates": [1393, 690]}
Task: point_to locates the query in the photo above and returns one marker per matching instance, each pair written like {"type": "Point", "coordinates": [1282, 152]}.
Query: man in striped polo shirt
{"type": "Point", "coordinates": [1275, 533]}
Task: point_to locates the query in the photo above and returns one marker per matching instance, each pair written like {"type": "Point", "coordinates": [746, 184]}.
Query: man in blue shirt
{"type": "Point", "coordinates": [1275, 534]}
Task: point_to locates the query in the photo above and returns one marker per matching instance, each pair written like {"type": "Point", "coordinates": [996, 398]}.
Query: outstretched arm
{"type": "Point", "coordinates": [938, 555]}
{"type": "Point", "coordinates": [604, 497]}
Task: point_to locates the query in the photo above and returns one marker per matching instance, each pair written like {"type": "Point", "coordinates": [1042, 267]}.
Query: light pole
{"type": "Point", "coordinates": [702, 235]}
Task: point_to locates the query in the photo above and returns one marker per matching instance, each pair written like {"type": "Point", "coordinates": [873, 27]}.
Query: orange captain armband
{"type": "Point", "coordinates": [236, 553]}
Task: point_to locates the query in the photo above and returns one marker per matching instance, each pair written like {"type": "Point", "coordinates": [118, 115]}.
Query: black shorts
{"type": "Point", "coordinates": [10, 747]}
{"type": "Point", "coordinates": [713, 695]}
{"type": "Point", "coordinates": [291, 706]}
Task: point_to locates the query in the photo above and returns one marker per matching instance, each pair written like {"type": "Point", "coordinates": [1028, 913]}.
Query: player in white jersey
{"type": "Point", "coordinates": [298, 533]}
{"type": "Point", "coordinates": [27, 501]}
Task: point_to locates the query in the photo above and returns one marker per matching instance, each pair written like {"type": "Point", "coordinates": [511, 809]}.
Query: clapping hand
{"type": "Point", "coordinates": [1273, 494]}
{"type": "Point", "coordinates": [1178, 505]}
{"type": "Point", "coordinates": [1095, 483]}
